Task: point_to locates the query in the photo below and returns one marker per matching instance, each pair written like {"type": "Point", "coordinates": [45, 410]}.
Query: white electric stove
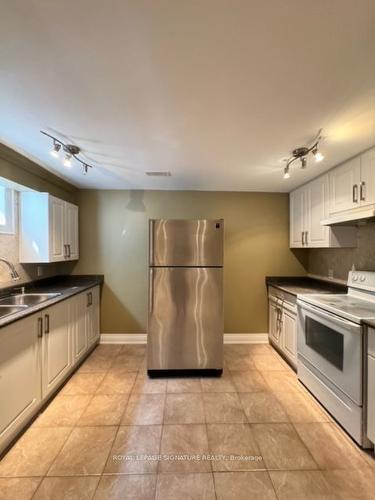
{"type": "Point", "coordinates": [332, 346]}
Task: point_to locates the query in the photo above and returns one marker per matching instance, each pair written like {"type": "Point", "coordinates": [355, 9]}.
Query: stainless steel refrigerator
{"type": "Point", "coordinates": [185, 305]}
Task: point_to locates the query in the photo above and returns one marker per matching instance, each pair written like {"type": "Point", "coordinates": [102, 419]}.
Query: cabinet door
{"type": "Point", "coordinates": [367, 188]}
{"type": "Point", "coordinates": [317, 208]}
{"type": "Point", "coordinates": [71, 231]}
{"type": "Point", "coordinates": [289, 335]}
{"type": "Point", "coordinates": [56, 349]}
{"type": "Point", "coordinates": [78, 326]}
{"type": "Point", "coordinates": [371, 399]}
{"type": "Point", "coordinates": [344, 186]}
{"type": "Point", "coordinates": [273, 326]}
{"type": "Point", "coordinates": [93, 315]}
{"type": "Point", "coordinates": [19, 375]}
{"type": "Point", "coordinates": [296, 218]}
{"type": "Point", "coordinates": [56, 229]}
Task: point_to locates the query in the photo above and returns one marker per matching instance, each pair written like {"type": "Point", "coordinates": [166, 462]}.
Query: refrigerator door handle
{"type": "Point", "coordinates": [151, 292]}
{"type": "Point", "coordinates": [151, 246]}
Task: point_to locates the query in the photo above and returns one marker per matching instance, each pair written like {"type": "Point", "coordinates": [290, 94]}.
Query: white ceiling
{"type": "Point", "coordinates": [216, 91]}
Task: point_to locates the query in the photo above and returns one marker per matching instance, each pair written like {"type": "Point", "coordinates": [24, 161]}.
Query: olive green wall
{"type": "Point", "coordinates": [113, 242]}
{"type": "Point", "coordinates": [17, 168]}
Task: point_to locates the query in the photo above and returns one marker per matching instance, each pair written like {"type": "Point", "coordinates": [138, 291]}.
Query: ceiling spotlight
{"type": "Point", "coordinates": [303, 162]}
{"type": "Point", "coordinates": [286, 172]}
{"type": "Point", "coordinates": [68, 160]}
{"type": "Point", "coordinates": [55, 149]}
{"type": "Point", "coordinates": [71, 152]}
{"type": "Point", "coordinates": [317, 154]}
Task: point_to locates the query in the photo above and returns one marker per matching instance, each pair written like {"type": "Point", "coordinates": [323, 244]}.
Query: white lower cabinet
{"type": "Point", "coordinates": [92, 315]}
{"type": "Point", "coordinates": [39, 352]}
{"type": "Point", "coordinates": [289, 334]}
{"type": "Point", "coordinates": [274, 323]}
{"type": "Point", "coordinates": [78, 326]}
{"type": "Point", "coordinates": [56, 348]}
{"type": "Point", "coordinates": [20, 375]}
{"type": "Point", "coordinates": [283, 324]}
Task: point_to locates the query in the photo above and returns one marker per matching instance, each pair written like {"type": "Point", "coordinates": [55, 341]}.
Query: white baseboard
{"type": "Point", "coordinates": [123, 338]}
{"type": "Point", "coordinates": [141, 338]}
{"type": "Point", "coordinates": [245, 338]}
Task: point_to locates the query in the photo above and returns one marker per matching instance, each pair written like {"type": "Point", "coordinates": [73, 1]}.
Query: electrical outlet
{"type": "Point", "coordinates": [330, 274]}
{"type": "Point", "coordinates": [39, 271]}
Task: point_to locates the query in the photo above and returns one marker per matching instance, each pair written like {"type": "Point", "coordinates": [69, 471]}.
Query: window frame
{"type": "Point", "coordinates": [10, 209]}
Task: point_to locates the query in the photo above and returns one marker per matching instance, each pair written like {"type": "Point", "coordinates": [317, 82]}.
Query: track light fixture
{"type": "Point", "coordinates": [302, 153]}
{"type": "Point", "coordinates": [71, 151]}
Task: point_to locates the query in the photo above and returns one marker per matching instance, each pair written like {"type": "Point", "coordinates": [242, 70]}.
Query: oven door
{"type": "Point", "coordinates": [333, 346]}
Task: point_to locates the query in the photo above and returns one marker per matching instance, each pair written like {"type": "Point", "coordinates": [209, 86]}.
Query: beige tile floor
{"type": "Point", "coordinates": [110, 410]}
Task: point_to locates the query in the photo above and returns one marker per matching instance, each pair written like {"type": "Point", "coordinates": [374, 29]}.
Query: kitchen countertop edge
{"type": "Point", "coordinates": [78, 284]}
{"type": "Point", "coordinates": [289, 283]}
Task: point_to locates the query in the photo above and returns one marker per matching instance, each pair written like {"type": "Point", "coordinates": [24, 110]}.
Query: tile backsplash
{"type": "Point", "coordinates": [27, 272]}
{"type": "Point", "coordinates": [340, 260]}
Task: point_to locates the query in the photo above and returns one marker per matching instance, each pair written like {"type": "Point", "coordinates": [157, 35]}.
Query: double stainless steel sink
{"type": "Point", "coordinates": [15, 303]}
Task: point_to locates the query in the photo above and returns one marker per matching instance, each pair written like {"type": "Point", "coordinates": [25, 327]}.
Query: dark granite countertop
{"type": "Point", "coordinates": [66, 286]}
{"type": "Point", "coordinates": [298, 285]}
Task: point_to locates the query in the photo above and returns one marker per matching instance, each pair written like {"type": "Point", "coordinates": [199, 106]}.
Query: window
{"type": "Point", "coordinates": [6, 210]}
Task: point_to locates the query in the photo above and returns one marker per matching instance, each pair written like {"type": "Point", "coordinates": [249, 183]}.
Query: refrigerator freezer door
{"type": "Point", "coordinates": [185, 327]}
{"type": "Point", "coordinates": [176, 242]}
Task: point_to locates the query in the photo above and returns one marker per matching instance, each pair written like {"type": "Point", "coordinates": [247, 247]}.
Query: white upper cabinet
{"type": "Point", "coordinates": [71, 231]}
{"type": "Point", "coordinates": [309, 205]}
{"type": "Point", "coordinates": [56, 231]}
{"type": "Point", "coordinates": [352, 184]}
{"type": "Point", "coordinates": [48, 229]}
{"type": "Point", "coordinates": [367, 185]}
{"type": "Point", "coordinates": [318, 235]}
{"type": "Point", "coordinates": [344, 186]}
{"type": "Point", "coordinates": [297, 222]}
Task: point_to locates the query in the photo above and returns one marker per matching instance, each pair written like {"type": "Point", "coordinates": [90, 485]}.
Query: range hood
{"type": "Point", "coordinates": [351, 218]}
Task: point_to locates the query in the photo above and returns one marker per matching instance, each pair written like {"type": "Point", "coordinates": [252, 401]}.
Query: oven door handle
{"type": "Point", "coordinates": [328, 315]}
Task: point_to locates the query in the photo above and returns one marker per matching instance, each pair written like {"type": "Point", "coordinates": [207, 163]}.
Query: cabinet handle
{"type": "Point", "coordinates": [88, 300]}
{"type": "Point", "coordinates": [279, 322]}
{"type": "Point", "coordinates": [306, 233]}
{"type": "Point", "coordinates": [151, 292]}
{"type": "Point", "coordinates": [303, 238]}
{"type": "Point", "coordinates": [40, 328]}
{"type": "Point", "coordinates": [65, 252]}
{"type": "Point", "coordinates": [362, 193]}
{"type": "Point", "coordinates": [355, 193]}
{"type": "Point", "coordinates": [46, 323]}
{"type": "Point", "coordinates": [69, 251]}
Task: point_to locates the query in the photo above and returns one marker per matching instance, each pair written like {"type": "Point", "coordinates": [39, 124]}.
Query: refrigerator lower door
{"type": "Point", "coordinates": [185, 322]}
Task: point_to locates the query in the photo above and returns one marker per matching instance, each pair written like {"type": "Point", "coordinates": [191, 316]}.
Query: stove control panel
{"type": "Point", "coordinates": [362, 279]}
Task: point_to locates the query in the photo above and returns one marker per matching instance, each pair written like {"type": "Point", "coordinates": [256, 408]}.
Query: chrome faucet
{"type": "Point", "coordinates": [12, 270]}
